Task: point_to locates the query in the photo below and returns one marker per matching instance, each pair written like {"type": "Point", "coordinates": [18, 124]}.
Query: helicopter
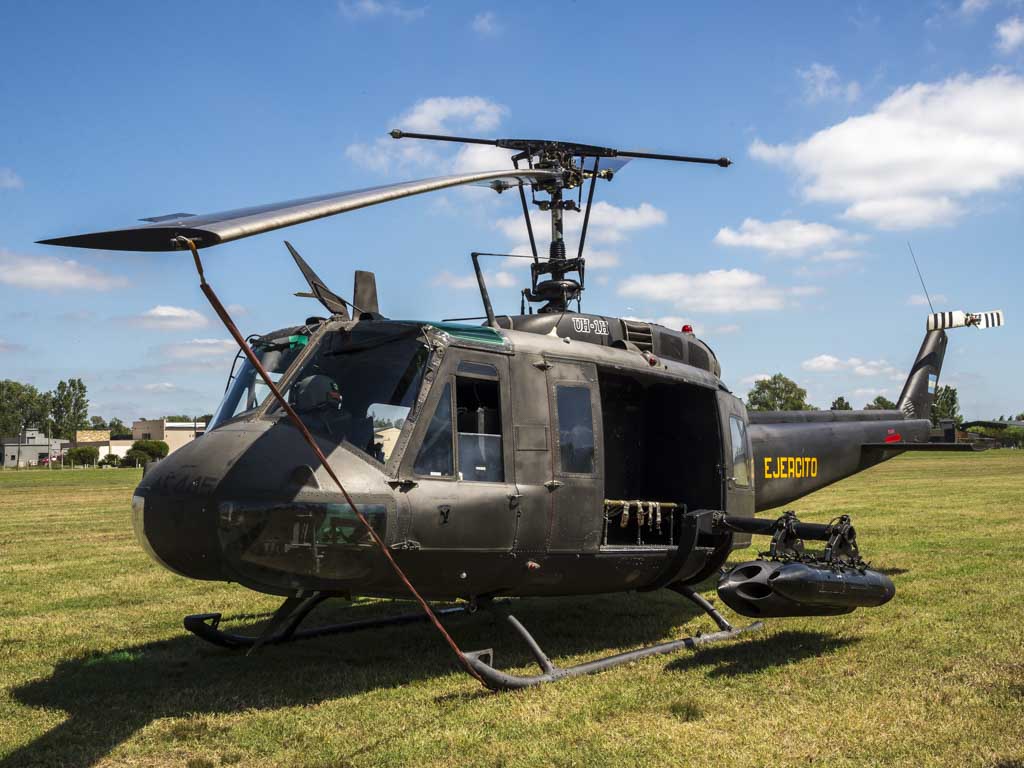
{"type": "Point", "coordinates": [547, 453]}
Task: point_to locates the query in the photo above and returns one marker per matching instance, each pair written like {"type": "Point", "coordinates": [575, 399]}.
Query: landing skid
{"type": "Point", "coordinates": [283, 627]}
{"type": "Point", "coordinates": [501, 681]}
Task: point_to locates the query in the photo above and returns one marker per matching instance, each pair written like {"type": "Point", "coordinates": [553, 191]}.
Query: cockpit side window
{"type": "Point", "coordinates": [358, 387]}
{"type": "Point", "coordinates": [469, 410]}
{"type": "Point", "coordinates": [436, 457]}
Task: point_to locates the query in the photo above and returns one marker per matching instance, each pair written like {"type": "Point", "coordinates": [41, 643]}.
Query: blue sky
{"type": "Point", "coordinates": [854, 128]}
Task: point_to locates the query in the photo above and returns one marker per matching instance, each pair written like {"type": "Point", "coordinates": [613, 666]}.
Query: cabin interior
{"type": "Point", "coordinates": [662, 444]}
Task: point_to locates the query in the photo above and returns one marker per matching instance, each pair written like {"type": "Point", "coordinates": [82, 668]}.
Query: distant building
{"type": "Point", "coordinates": [174, 433]}
{"type": "Point", "coordinates": [29, 449]}
{"type": "Point", "coordinates": [387, 438]}
{"type": "Point", "coordinates": [101, 441]}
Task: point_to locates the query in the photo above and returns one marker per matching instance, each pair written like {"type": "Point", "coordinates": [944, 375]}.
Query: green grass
{"type": "Point", "coordinates": [95, 668]}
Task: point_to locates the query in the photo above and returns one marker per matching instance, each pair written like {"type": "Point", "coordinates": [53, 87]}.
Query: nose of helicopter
{"type": "Point", "coordinates": [186, 508]}
{"type": "Point", "coordinates": [174, 508]}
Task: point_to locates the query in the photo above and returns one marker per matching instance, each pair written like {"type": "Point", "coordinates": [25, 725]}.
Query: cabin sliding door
{"type": "Point", "coordinates": [577, 484]}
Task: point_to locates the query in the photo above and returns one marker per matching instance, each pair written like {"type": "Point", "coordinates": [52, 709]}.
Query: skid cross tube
{"type": "Point", "coordinates": [206, 626]}
{"type": "Point", "coordinates": [496, 680]}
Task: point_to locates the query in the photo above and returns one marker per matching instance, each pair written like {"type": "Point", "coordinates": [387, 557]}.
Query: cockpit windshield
{"type": "Point", "coordinates": [246, 390]}
{"type": "Point", "coordinates": [359, 385]}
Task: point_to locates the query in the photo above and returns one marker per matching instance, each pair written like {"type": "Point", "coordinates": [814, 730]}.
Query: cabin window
{"type": "Point", "coordinates": [478, 417]}
{"type": "Point", "coordinates": [575, 429]}
{"type": "Point", "coordinates": [478, 369]}
{"type": "Point", "coordinates": [740, 456]}
{"type": "Point", "coordinates": [436, 458]}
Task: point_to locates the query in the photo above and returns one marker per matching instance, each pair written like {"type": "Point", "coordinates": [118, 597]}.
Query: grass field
{"type": "Point", "coordinates": [95, 668]}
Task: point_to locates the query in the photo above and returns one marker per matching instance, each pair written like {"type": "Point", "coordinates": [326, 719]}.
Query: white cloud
{"type": "Point", "coordinates": [786, 236]}
{"type": "Point", "coordinates": [200, 350]}
{"type": "Point", "coordinates": [822, 82]}
{"type": "Point", "coordinates": [720, 290]}
{"type": "Point", "coordinates": [165, 317]}
{"type": "Point", "coordinates": [439, 114]}
{"type": "Point", "coordinates": [753, 379]}
{"type": "Point", "coordinates": [608, 224]}
{"type": "Point", "coordinates": [920, 300]}
{"type": "Point", "coordinates": [435, 114]}
{"type": "Point", "coordinates": [599, 259]}
{"type": "Point", "coordinates": [476, 158]}
{"type": "Point", "coordinates": [499, 279]}
{"type": "Point", "coordinates": [10, 347]}
{"type": "Point", "coordinates": [970, 7]}
{"type": "Point", "coordinates": [922, 151]}
{"type": "Point", "coordinates": [1010, 34]}
{"type": "Point", "coordinates": [52, 274]}
{"type": "Point", "coordinates": [866, 368]}
{"type": "Point", "coordinates": [822, 363]}
{"type": "Point", "coordinates": [162, 386]}
{"type": "Point", "coordinates": [871, 391]}
{"type": "Point", "coordinates": [369, 9]}
{"type": "Point", "coordinates": [10, 180]}
{"type": "Point", "coordinates": [486, 24]}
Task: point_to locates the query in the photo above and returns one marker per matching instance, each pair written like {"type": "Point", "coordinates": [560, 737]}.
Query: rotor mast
{"type": "Point", "coordinates": [569, 163]}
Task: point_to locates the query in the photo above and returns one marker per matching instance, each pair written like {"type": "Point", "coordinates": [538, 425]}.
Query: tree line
{"type": "Point", "coordinates": [61, 411]}
{"type": "Point", "coordinates": [58, 412]}
{"type": "Point", "coordinates": [780, 393]}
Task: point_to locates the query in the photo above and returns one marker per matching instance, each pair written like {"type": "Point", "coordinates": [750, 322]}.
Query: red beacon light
{"type": "Point", "coordinates": [688, 329]}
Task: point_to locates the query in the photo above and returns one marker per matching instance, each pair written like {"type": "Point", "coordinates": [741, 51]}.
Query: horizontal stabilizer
{"type": "Point", "coordinates": [901, 446]}
{"type": "Point", "coordinates": [941, 320]}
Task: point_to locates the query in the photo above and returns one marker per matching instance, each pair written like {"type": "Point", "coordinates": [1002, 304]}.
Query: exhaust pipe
{"type": "Point", "coordinates": [773, 588]}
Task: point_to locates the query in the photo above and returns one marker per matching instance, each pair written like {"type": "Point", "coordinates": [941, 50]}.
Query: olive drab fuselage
{"type": "Point", "coordinates": [574, 410]}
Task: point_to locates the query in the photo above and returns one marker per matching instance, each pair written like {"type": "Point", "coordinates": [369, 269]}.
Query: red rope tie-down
{"type": "Point", "coordinates": [225, 318]}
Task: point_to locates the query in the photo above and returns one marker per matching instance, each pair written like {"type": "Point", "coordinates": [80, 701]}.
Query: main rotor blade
{"type": "Point", "coordinates": [216, 228]}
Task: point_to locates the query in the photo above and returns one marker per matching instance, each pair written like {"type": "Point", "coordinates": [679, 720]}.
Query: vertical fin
{"type": "Point", "coordinates": [919, 390]}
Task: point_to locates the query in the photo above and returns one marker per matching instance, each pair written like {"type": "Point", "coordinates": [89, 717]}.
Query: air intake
{"type": "Point", "coordinates": [639, 333]}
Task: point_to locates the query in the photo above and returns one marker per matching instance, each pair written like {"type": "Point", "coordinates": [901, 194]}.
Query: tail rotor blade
{"type": "Point", "coordinates": [959, 319]}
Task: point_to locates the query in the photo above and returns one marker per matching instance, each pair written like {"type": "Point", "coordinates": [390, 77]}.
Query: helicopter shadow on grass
{"type": "Point", "coordinates": [776, 650]}
{"type": "Point", "coordinates": [109, 697]}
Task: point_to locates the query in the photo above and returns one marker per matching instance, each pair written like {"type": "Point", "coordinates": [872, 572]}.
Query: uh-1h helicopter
{"type": "Point", "coordinates": [545, 453]}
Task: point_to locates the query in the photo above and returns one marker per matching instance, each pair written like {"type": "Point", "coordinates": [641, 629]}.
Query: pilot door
{"type": "Point", "coordinates": [462, 494]}
{"type": "Point", "coordinates": [577, 483]}
{"type": "Point", "coordinates": [737, 459]}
